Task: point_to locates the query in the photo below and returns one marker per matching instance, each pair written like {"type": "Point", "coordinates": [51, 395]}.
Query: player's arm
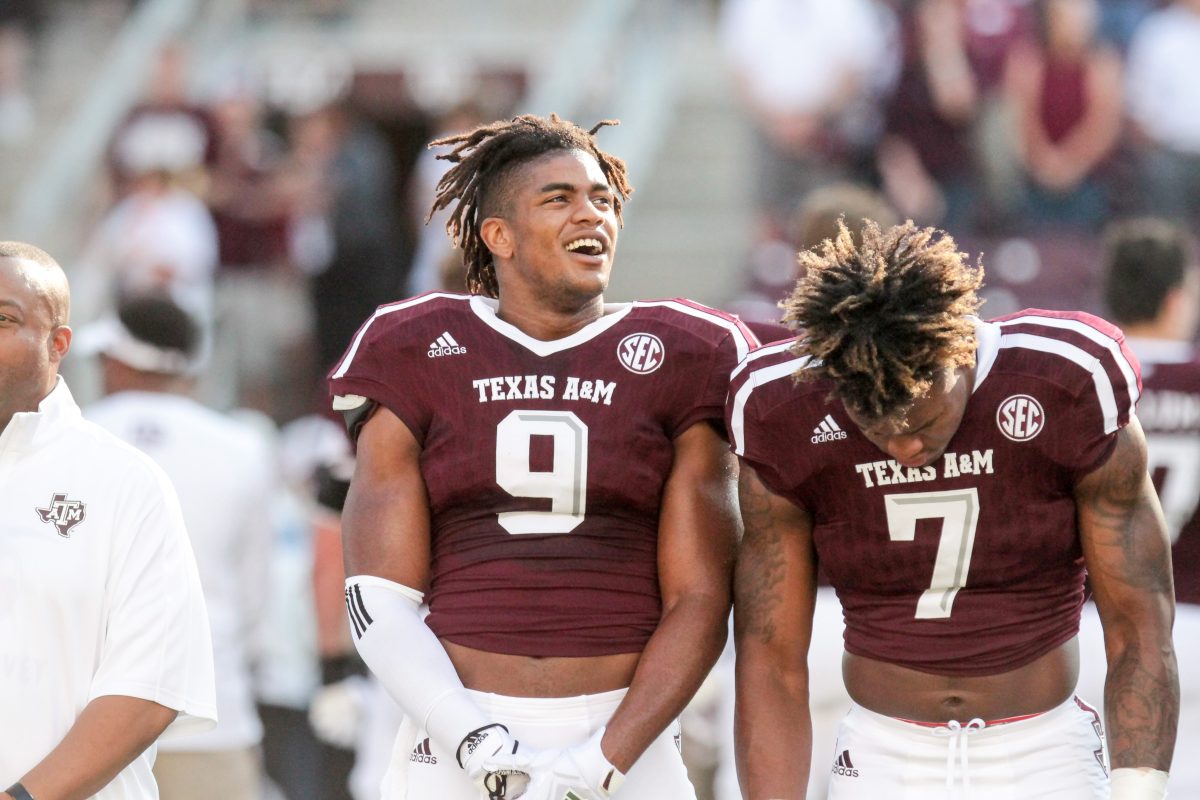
{"type": "Point", "coordinates": [696, 534]}
{"type": "Point", "coordinates": [1129, 563]}
{"type": "Point", "coordinates": [774, 589]}
{"type": "Point", "coordinates": [385, 540]}
{"type": "Point", "coordinates": [107, 736]}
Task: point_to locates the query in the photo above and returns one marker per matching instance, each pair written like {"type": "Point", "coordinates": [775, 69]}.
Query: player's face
{"type": "Point", "coordinates": [29, 353]}
{"type": "Point", "coordinates": [564, 226]}
{"type": "Point", "coordinates": [921, 435]}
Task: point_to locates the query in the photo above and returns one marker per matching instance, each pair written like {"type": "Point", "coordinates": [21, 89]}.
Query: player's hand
{"type": "Point", "coordinates": [495, 762]}
{"type": "Point", "coordinates": [574, 773]}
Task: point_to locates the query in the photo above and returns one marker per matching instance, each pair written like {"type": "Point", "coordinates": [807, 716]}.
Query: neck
{"type": "Point", "coordinates": [545, 323]}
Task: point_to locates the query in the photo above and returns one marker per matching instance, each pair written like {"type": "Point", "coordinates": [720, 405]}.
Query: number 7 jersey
{"type": "Point", "coordinates": [971, 565]}
{"type": "Point", "coordinates": [544, 462]}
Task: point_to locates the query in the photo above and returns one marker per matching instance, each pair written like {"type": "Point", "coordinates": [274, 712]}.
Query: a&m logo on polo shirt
{"type": "Point", "coordinates": [63, 514]}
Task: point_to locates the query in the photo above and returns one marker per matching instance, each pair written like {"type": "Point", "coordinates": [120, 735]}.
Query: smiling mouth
{"type": "Point", "coordinates": [587, 246]}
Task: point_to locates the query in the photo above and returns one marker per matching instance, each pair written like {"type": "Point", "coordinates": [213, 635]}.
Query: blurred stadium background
{"type": "Point", "coordinates": [265, 162]}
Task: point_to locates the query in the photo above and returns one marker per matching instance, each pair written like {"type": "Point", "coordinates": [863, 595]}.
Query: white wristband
{"type": "Point", "coordinates": [1138, 783]}
{"type": "Point", "coordinates": [409, 660]}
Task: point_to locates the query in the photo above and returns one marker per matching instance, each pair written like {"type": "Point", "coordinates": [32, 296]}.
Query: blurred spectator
{"type": "Point", "coordinates": [166, 129]}
{"type": "Point", "coordinates": [926, 158]}
{"type": "Point", "coordinates": [344, 175]}
{"type": "Point", "coordinates": [1065, 92]}
{"type": "Point", "coordinates": [811, 224]}
{"type": "Point", "coordinates": [159, 237]}
{"type": "Point", "coordinates": [260, 294]}
{"type": "Point", "coordinates": [1164, 103]}
{"type": "Point", "coordinates": [991, 28]}
{"type": "Point", "coordinates": [18, 21]}
{"type": "Point", "coordinates": [1120, 18]}
{"type": "Point", "coordinates": [811, 73]}
{"type": "Point", "coordinates": [225, 477]}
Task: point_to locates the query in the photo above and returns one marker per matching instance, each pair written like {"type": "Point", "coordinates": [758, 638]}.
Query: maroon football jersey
{"type": "Point", "coordinates": [544, 461]}
{"type": "Point", "coordinates": [971, 565]}
{"type": "Point", "coordinates": [1170, 414]}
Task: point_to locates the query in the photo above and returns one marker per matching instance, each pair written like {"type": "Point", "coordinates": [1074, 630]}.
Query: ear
{"type": "Point", "coordinates": [498, 236]}
{"type": "Point", "coordinates": [60, 342]}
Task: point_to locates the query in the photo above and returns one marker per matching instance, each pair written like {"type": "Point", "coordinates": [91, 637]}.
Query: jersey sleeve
{"type": "Point", "coordinates": [157, 645]}
{"type": "Point", "coordinates": [1101, 379]}
{"type": "Point", "coordinates": [710, 403]}
{"type": "Point", "coordinates": [376, 370]}
{"type": "Point", "coordinates": [756, 385]}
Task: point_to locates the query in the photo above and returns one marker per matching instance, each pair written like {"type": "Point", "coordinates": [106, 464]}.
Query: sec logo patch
{"type": "Point", "coordinates": [1020, 417]}
{"type": "Point", "coordinates": [641, 353]}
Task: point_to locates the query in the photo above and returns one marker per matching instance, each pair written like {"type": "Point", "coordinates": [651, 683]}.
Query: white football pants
{"type": "Point", "coordinates": [420, 770]}
{"type": "Point", "coordinates": [1058, 755]}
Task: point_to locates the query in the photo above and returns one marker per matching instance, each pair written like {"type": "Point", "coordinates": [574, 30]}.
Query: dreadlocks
{"type": "Point", "coordinates": [484, 159]}
{"type": "Point", "coordinates": [884, 319]}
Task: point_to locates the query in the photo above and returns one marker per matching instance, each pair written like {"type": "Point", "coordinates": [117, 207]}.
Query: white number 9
{"type": "Point", "coordinates": [565, 486]}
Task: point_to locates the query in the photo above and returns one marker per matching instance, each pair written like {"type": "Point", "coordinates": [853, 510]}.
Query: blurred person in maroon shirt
{"type": "Point", "coordinates": [1064, 89]}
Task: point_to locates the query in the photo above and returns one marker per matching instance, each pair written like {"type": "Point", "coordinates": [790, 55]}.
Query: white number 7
{"type": "Point", "coordinates": [959, 512]}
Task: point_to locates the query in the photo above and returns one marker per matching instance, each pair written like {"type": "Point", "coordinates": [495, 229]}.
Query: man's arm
{"type": "Point", "coordinates": [107, 736]}
{"type": "Point", "coordinates": [1128, 557]}
{"type": "Point", "coordinates": [385, 522]}
{"type": "Point", "coordinates": [696, 534]}
{"type": "Point", "coordinates": [774, 590]}
{"type": "Point", "coordinates": [385, 540]}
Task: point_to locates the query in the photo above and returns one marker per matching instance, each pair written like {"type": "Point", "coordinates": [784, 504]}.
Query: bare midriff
{"type": "Point", "coordinates": [550, 676]}
{"type": "Point", "coordinates": [919, 696]}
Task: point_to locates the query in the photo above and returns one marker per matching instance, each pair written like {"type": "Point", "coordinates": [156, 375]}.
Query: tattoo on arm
{"type": "Point", "coordinates": [1142, 707]}
{"type": "Point", "coordinates": [1121, 508]}
{"type": "Point", "coordinates": [760, 564]}
{"type": "Point", "coordinates": [1129, 560]}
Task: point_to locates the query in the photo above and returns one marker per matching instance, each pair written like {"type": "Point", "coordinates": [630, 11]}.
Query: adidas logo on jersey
{"type": "Point", "coordinates": [422, 754]}
{"type": "Point", "coordinates": [445, 345]}
{"type": "Point", "coordinates": [827, 431]}
{"type": "Point", "coordinates": [844, 766]}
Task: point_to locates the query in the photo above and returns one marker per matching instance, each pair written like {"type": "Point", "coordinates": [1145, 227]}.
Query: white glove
{"type": "Point", "coordinates": [494, 761]}
{"type": "Point", "coordinates": [336, 711]}
{"type": "Point", "coordinates": [574, 773]}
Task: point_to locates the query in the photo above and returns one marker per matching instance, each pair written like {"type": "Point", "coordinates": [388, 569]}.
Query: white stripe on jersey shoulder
{"type": "Point", "coordinates": [701, 312]}
{"type": "Point", "coordinates": [766, 350]}
{"type": "Point", "coordinates": [987, 347]}
{"type": "Point", "coordinates": [485, 309]}
{"type": "Point", "coordinates": [756, 378]}
{"type": "Point", "coordinates": [1099, 337]}
{"type": "Point", "coordinates": [1104, 388]}
{"type": "Point", "coordinates": [384, 311]}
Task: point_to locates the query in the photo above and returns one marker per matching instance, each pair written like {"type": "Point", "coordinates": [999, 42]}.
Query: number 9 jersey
{"type": "Point", "coordinates": [544, 461]}
{"type": "Point", "coordinates": [971, 565]}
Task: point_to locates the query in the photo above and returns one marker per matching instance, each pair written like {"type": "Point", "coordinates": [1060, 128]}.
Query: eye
{"type": "Point", "coordinates": [602, 200]}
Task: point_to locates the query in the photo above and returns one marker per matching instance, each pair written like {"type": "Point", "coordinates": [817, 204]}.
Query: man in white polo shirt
{"type": "Point", "coordinates": [104, 639]}
{"type": "Point", "coordinates": [224, 472]}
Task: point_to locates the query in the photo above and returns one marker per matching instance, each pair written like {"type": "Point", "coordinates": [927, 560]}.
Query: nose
{"type": "Point", "coordinates": [903, 447]}
{"type": "Point", "coordinates": [587, 211]}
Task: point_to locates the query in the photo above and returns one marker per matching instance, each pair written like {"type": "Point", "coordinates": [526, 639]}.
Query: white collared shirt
{"type": "Point", "coordinates": [99, 593]}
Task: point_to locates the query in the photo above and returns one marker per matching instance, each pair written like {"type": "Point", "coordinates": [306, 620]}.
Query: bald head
{"type": "Point", "coordinates": [44, 277]}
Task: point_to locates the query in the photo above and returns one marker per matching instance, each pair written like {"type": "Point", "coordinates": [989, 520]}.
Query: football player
{"type": "Point", "coordinates": [1152, 290]}
{"type": "Point", "coordinates": [953, 477]}
{"type": "Point", "coordinates": [548, 473]}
